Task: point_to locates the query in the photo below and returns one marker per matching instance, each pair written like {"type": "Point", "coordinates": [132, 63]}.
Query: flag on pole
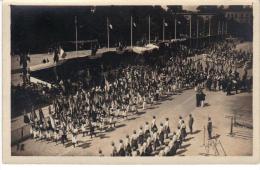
{"type": "Point", "coordinates": [134, 24]}
{"type": "Point", "coordinates": [109, 24]}
{"type": "Point", "coordinates": [187, 17]}
{"type": "Point", "coordinates": [93, 9]}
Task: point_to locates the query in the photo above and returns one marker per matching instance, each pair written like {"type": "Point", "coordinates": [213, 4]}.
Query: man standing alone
{"type": "Point", "coordinates": [209, 127]}
{"type": "Point", "coordinates": [191, 120]}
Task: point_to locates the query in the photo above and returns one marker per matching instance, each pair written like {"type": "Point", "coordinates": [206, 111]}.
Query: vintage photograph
{"type": "Point", "coordinates": [131, 80]}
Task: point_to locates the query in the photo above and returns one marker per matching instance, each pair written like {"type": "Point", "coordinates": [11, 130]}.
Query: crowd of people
{"type": "Point", "coordinates": [82, 108]}
{"type": "Point", "coordinates": [222, 65]}
{"type": "Point", "coordinates": [151, 140]}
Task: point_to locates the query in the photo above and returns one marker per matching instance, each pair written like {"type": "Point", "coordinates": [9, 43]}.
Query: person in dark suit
{"type": "Point", "coordinates": [56, 56]}
{"type": "Point", "coordinates": [191, 120]}
{"type": "Point", "coordinates": [209, 128]}
{"type": "Point", "coordinates": [229, 87]}
{"type": "Point", "coordinates": [197, 99]}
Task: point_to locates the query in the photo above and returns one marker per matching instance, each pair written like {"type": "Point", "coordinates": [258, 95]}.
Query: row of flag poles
{"type": "Point", "coordinates": [220, 29]}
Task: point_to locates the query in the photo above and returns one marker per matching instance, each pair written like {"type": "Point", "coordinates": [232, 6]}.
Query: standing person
{"type": "Point", "coordinates": [153, 125]}
{"type": "Point", "coordinates": [23, 62]}
{"type": "Point", "coordinates": [140, 136]}
{"type": "Point", "coordinates": [114, 150]}
{"type": "Point", "coordinates": [134, 143]}
{"type": "Point", "coordinates": [144, 102]}
{"type": "Point", "coordinates": [191, 121]}
{"type": "Point", "coordinates": [229, 87]}
{"type": "Point", "coordinates": [91, 129]}
{"type": "Point", "coordinates": [197, 99]}
{"type": "Point", "coordinates": [180, 121]}
{"type": "Point", "coordinates": [166, 128]}
{"type": "Point", "coordinates": [183, 130]}
{"type": "Point", "coordinates": [209, 128]}
{"type": "Point", "coordinates": [121, 148]}
{"type": "Point", "coordinates": [74, 136]}
{"type": "Point", "coordinates": [63, 135]}
{"type": "Point", "coordinates": [127, 145]}
{"type": "Point", "coordinates": [203, 95]}
{"type": "Point", "coordinates": [161, 134]}
{"type": "Point", "coordinates": [56, 55]}
{"type": "Point", "coordinates": [146, 130]}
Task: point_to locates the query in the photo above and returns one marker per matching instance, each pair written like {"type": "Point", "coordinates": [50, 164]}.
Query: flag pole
{"type": "Point", "coordinates": [163, 29]}
{"type": "Point", "coordinates": [226, 27]}
{"type": "Point", "coordinates": [197, 28]}
{"type": "Point", "coordinates": [107, 34]}
{"type": "Point", "coordinates": [222, 28]}
{"type": "Point", "coordinates": [218, 27]}
{"type": "Point", "coordinates": [197, 40]}
{"type": "Point", "coordinates": [131, 28]}
{"type": "Point", "coordinates": [190, 26]}
{"type": "Point", "coordinates": [209, 25]}
{"type": "Point", "coordinates": [76, 35]}
{"type": "Point", "coordinates": [149, 28]}
{"type": "Point", "coordinates": [175, 28]}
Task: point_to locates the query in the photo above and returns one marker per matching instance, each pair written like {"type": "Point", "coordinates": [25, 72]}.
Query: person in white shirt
{"type": "Point", "coordinates": [161, 153]}
{"type": "Point", "coordinates": [127, 146]}
{"type": "Point", "coordinates": [135, 152]}
{"type": "Point", "coordinates": [146, 130]}
{"type": "Point", "coordinates": [74, 136]}
{"type": "Point", "coordinates": [180, 121]}
{"type": "Point", "coordinates": [144, 102]}
{"type": "Point", "coordinates": [183, 130]}
{"type": "Point", "coordinates": [166, 150]}
{"type": "Point", "coordinates": [114, 150]}
{"type": "Point", "coordinates": [178, 136]}
{"type": "Point", "coordinates": [121, 148]}
{"type": "Point", "coordinates": [166, 128]}
{"type": "Point", "coordinates": [134, 143]}
{"type": "Point", "coordinates": [140, 136]}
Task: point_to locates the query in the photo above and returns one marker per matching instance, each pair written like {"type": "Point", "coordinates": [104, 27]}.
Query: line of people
{"type": "Point", "coordinates": [151, 140]}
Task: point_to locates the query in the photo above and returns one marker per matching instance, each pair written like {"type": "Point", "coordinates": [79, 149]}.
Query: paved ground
{"type": "Point", "coordinates": [218, 106]}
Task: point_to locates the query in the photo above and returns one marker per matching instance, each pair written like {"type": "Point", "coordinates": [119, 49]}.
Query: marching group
{"type": "Point", "coordinates": [151, 140]}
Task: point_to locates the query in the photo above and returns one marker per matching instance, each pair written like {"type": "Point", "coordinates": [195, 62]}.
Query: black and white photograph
{"type": "Point", "coordinates": [131, 81]}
